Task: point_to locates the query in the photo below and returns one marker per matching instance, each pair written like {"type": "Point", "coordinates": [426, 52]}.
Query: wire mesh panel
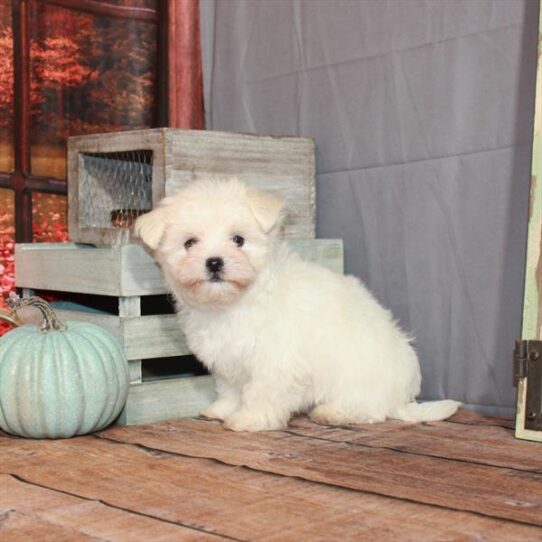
{"type": "Point", "coordinates": [115, 188]}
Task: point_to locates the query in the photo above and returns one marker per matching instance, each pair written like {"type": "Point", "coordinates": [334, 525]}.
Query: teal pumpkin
{"type": "Point", "coordinates": [57, 380]}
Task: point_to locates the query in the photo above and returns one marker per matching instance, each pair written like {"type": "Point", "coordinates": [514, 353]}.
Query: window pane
{"type": "Point", "coordinates": [6, 87]}
{"type": "Point", "coordinates": [49, 218]}
{"type": "Point", "coordinates": [7, 244]}
{"type": "Point", "coordinates": [89, 73]}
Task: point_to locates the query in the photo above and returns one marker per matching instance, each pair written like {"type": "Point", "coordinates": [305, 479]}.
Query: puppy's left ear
{"type": "Point", "coordinates": [151, 226]}
{"type": "Point", "coordinates": [267, 208]}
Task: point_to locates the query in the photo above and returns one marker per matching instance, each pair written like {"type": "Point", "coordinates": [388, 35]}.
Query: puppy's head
{"type": "Point", "coordinates": [212, 239]}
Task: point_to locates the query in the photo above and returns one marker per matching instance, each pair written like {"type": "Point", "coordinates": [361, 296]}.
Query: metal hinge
{"type": "Point", "coordinates": [528, 369]}
{"type": "Point", "coordinates": [524, 352]}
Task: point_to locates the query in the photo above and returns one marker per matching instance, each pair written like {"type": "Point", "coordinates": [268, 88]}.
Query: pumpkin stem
{"type": "Point", "coordinates": [50, 319]}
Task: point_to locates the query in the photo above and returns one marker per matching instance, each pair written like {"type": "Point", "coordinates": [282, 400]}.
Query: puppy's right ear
{"type": "Point", "coordinates": [151, 226]}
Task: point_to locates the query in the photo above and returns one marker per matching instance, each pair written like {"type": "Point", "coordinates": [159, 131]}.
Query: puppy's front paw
{"type": "Point", "coordinates": [247, 420]}
{"type": "Point", "coordinates": [219, 410]}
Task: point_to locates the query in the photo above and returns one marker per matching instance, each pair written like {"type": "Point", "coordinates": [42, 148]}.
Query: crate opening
{"type": "Point", "coordinates": [103, 304]}
{"type": "Point", "coordinates": [114, 188]}
{"type": "Point", "coordinates": [173, 367]}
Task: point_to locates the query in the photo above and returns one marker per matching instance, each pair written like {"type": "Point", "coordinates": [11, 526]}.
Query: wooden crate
{"type": "Point", "coordinates": [128, 275]}
{"type": "Point", "coordinates": [130, 172]}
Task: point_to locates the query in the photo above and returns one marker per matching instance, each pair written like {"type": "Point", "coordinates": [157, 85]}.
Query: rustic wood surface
{"type": "Point", "coordinates": [38, 513]}
{"type": "Point", "coordinates": [463, 479]}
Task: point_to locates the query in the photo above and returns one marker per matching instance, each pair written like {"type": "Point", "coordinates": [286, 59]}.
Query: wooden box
{"type": "Point", "coordinates": [127, 277]}
{"type": "Point", "coordinates": [115, 177]}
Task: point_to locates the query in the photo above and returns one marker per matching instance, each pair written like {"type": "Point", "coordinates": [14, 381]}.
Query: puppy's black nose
{"type": "Point", "coordinates": [214, 265]}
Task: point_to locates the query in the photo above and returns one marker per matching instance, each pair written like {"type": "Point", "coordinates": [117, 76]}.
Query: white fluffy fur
{"type": "Point", "coordinates": [280, 335]}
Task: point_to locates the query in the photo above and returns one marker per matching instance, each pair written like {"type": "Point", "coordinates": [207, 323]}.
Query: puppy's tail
{"type": "Point", "coordinates": [431, 411]}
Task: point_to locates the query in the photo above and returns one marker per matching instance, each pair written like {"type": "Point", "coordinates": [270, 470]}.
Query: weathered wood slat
{"type": "Point", "coordinates": [466, 417]}
{"type": "Point", "coordinates": [532, 307]}
{"type": "Point", "coordinates": [156, 336]}
{"type": "Point", "coordinates": [17, 527]}
{"type": "Point", "coordinates": [68, 268]}
{"type": "Point", "coordinates": [490, 445]}
{"type": "Point", "coordinates": [45, 514]}
{"type": "Point", "coordinates": [135, 370]}
{"type": "Point", "coordinates": [130, 306]}
{"type": "Point", "coordinates": [532, 301]}
{"type": "Point", "coordinates": [282, 165]}
{"type": "Point", "coordinates": [123, 271]}
{"type": "Point", "coordinates": [496, 492]}
{"type": "Point", "coordinates": [150, 402]}
{"type": "Point", "coordinates": [326, 252]}
{"type": "Point", "coordinates": [144, 337]}
{"type": "Point", "coordinates": [238, 502]}
{"type": "Point", "coordinates": [113, 324]}
{"type": "Point", "coordinates": [139, 273]}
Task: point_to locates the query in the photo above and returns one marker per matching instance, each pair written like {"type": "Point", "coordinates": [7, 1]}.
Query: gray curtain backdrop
{"type": "Point", "coordinates": [422, 114]}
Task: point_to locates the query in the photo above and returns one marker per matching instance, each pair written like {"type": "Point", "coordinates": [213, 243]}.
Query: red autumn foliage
{"type": "Point", "coordinates": [7, 243]}
{"type": "Point", "coordinates": [49, 225]}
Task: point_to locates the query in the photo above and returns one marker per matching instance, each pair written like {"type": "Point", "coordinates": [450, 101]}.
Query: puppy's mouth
{"type": "Point", "coordinates": [220, 279]}
{"type": "Point", "coordinates": [216, 277]}
{"type": "Point", "coordinates": [212, 278]}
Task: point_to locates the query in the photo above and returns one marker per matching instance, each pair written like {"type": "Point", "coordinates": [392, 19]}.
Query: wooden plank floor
{"type": "Point", "coordinates": [463, 479]}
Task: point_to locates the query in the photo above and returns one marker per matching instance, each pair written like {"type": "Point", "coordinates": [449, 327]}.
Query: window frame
{"type": "Point", "coordinates": [20, 180]}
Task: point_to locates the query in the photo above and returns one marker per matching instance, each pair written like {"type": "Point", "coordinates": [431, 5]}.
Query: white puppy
{"type": "Point", "coordinates": [280, 335]}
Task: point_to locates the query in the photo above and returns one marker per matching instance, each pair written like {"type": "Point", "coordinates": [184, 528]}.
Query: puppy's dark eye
{"type": "Point", "coordinates": [192, 241]}
{"type": "Point", "coordinates": [238, 240]}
